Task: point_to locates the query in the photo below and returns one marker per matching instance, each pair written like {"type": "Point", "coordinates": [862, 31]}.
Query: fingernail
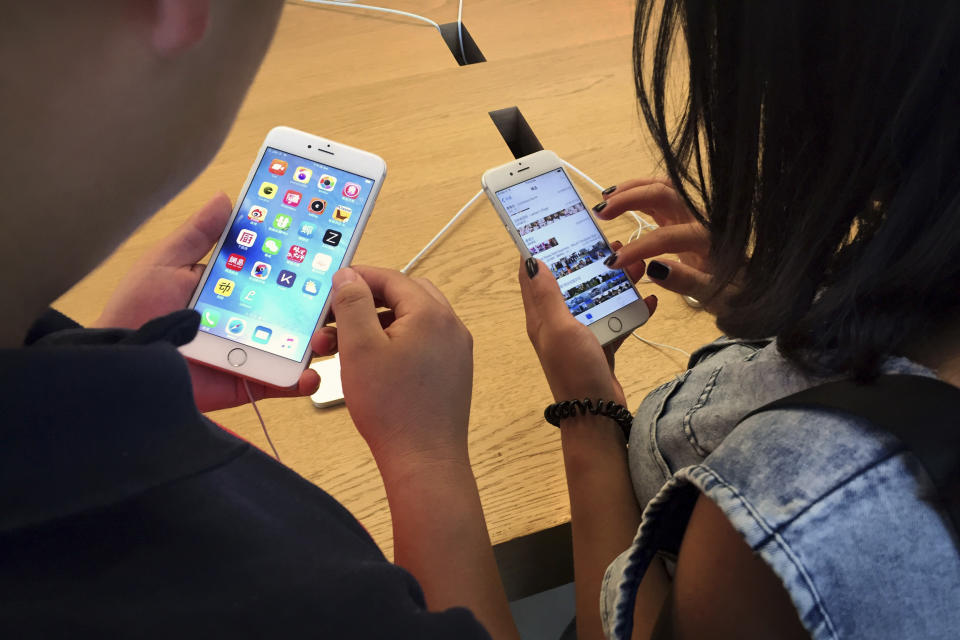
{"type": "Point", "coordinates": [608, 190]}
{"type": "Point", "coordinates": [342, 277]}
{"type": "Point", "coordinates": [532, 267]}
{"type": "Point", "coordinates": [597, 208]}
{"type": "Point", "coordinates": [611, 259]}
{"type": "Point", "coordinates": [658, 270]}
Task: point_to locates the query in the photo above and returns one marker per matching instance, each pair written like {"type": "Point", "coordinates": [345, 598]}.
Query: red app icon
{"type": "Point", "coordinates": [296, 254]}
{"type": "Point", "coordinates": [351, 190]}
{"type": "Point", "coordinates": [235, 262]}
{"type": "Point", "coordinates": [278, 167]}
{"type": "Point", "coordinates": [292, 198]}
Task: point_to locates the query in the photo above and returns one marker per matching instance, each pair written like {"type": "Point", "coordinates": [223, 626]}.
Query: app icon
{"type": "Point", "coordinates": [282, 222]}
{"type": "Point", "coordinates": [302, 174]}
{"type": "Point", "coordinates": [332, 237]}
{"type": "Point", "coordinates": [223, 287]}
{"type": "Point", "coordinates": [236, 326]}
{"type": "Point", "coordinates": [286, 278]}
{"type": "Point", "coordinates": [351, 190]}
{"type": "Point", "coordinates": [260, 271]}
{"type": "Point", "coordinates": [235, 262]}
{"type": "Point", "coordinates": [317, 206]}
{"type": "Point", "coordinates": [311, 287]}
{"type": "Point", "coordinates": [296, 254]}
{"type": "Point", "coordinates": [341, 214]}
{"type": "Point", "coordinates": [262, 334]}
{"type": "Point", "coordinates": [327, 183]}
{"type": "Point", "coordinates": [257, 214]}
{"type": "Point", "coordinates": [289, 343]}
{"type": "Point", "coordinates": [321, 262]}
{"type": "Point", "coordinates": [292, 198]}
{"type": "Point", "coordinates": [307, 229]}
{"type": "Point", "coordinates": [268, 190]}
{"type": "Point", "coordinates": [279, 167]}
{"type": "Point", "coordinates": [246, 238]}
{"type": "Point", "coordinates": [249, 295]}
{"type": "Point", "coordinates": [271, 246]}
{"type": "Point", "coordinates": [210, 318]}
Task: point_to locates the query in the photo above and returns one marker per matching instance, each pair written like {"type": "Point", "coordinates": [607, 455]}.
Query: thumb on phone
{"type": "Point", "coordinates": [542, 299]}
{"type": "Point", "coordinates": [357, 322]}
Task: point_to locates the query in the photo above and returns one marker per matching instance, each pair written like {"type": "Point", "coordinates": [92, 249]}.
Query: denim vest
{"type": "Point", "coordinates": [829, 502]}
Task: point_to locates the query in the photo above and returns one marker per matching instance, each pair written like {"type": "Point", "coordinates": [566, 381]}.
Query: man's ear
{"type": "Point", "coordinates": [178, 25]}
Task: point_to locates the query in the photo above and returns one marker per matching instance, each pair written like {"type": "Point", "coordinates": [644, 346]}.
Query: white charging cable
{"type": "Point", "coordinates": [463, 52]}
{"type": "Point", "coordinates": [441, 233]}
{"type": "Point", "coordinates": [397, 12]}
{"type": "Point", "coordinates": [642, 225]}
{"type": "Point", "coordinates": [263, 425]}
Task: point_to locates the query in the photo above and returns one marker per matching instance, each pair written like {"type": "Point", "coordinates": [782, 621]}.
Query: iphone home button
{"type": "Point", "coordinates": [237, 357]}
{"type": "Point", "coordinates": [615, 324]}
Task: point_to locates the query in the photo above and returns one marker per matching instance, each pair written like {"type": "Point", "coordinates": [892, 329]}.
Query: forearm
{"type": "Point", "coordinates": [604, 511]}
{"type": "Point", "coordinates": [440, 536]}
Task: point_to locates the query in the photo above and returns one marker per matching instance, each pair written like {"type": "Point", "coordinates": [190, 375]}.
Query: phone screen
{"type": "Point", "coordinates": [271, 278]}
{"type": "Point", "coordinates": [555, 226]}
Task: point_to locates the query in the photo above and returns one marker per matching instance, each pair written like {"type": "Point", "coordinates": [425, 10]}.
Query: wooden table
{"type": "Point", "coordinates": [391, 86]}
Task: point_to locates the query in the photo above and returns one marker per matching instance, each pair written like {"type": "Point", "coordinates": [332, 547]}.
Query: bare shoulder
{"type": "Point", "coordinates": [722, 589]}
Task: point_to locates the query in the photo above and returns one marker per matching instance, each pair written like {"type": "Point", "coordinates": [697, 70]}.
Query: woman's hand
{"type": "Point", "coordinates": [679, 233]}
{"type": "Point", "coordinates": [575, 364]}
{"type": "Point", "coordinates": [407, 373]}
{"type": "Point", "coordinates": [162, 282]}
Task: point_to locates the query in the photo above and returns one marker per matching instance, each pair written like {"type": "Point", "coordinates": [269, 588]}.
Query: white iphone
{"type": "Point", "coordinates": [546, 218]}
{"type": "Point", "coordinates": [267, 287]}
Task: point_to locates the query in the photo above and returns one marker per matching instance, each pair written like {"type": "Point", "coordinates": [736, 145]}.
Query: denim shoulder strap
{"type": "Point", "coordinates": [923, 413]}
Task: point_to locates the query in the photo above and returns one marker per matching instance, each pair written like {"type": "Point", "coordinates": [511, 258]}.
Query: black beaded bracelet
{"type": "Point", "coordinates": [610, 409]}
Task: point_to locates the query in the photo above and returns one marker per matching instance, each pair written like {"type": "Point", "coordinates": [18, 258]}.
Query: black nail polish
{"type": "Point", "coordinates": [608, 190]}
{"type": "Point", "coordinates": [597, 208]}
{"type": "Point", "coordinates": [532, 267]}
{"type": "Point", "coordinates": [610, 259]}
{"type": "Point", "coordinates": [658, 270]}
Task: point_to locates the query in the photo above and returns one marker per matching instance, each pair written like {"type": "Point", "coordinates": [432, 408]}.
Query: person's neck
{"type": "Point", "coordinates": [939, 351]}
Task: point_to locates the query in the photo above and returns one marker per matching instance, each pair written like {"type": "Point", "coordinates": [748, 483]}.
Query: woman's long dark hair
{"type": "Point", "coordinates": [821, 142]}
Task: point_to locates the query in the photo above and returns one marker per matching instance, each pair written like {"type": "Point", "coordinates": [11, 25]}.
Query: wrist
{"type": "Point", "coordinates": [591, 442]}
{"type": "Point", "coordinates": [591, 431]}
{"type": "Point", "coordinates": [422, 466]}
{"type": "Point", "coordinates": [438, 486]}
{"type": "Point", "coordinates": [566, 410]}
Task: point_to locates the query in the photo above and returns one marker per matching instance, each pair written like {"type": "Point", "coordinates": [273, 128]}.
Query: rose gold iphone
{"type": "Point", "coordinates": [267, 288]}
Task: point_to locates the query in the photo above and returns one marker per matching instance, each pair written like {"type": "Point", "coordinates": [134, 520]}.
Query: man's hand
{"type": "Point", "coordinates": [408, 372]}
{"type": "Point", "coordinates": [162, 282]}
{"type": "Point", "coordinates": [407, 379]}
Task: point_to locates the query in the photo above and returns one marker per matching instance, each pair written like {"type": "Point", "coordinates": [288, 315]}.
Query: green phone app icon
{"type": "Point", "coordinates": [210, 318]}
{"type": "Point", "coordinates": [282, 222]}
{"type": "Point", "coordinates": [271, 246]}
